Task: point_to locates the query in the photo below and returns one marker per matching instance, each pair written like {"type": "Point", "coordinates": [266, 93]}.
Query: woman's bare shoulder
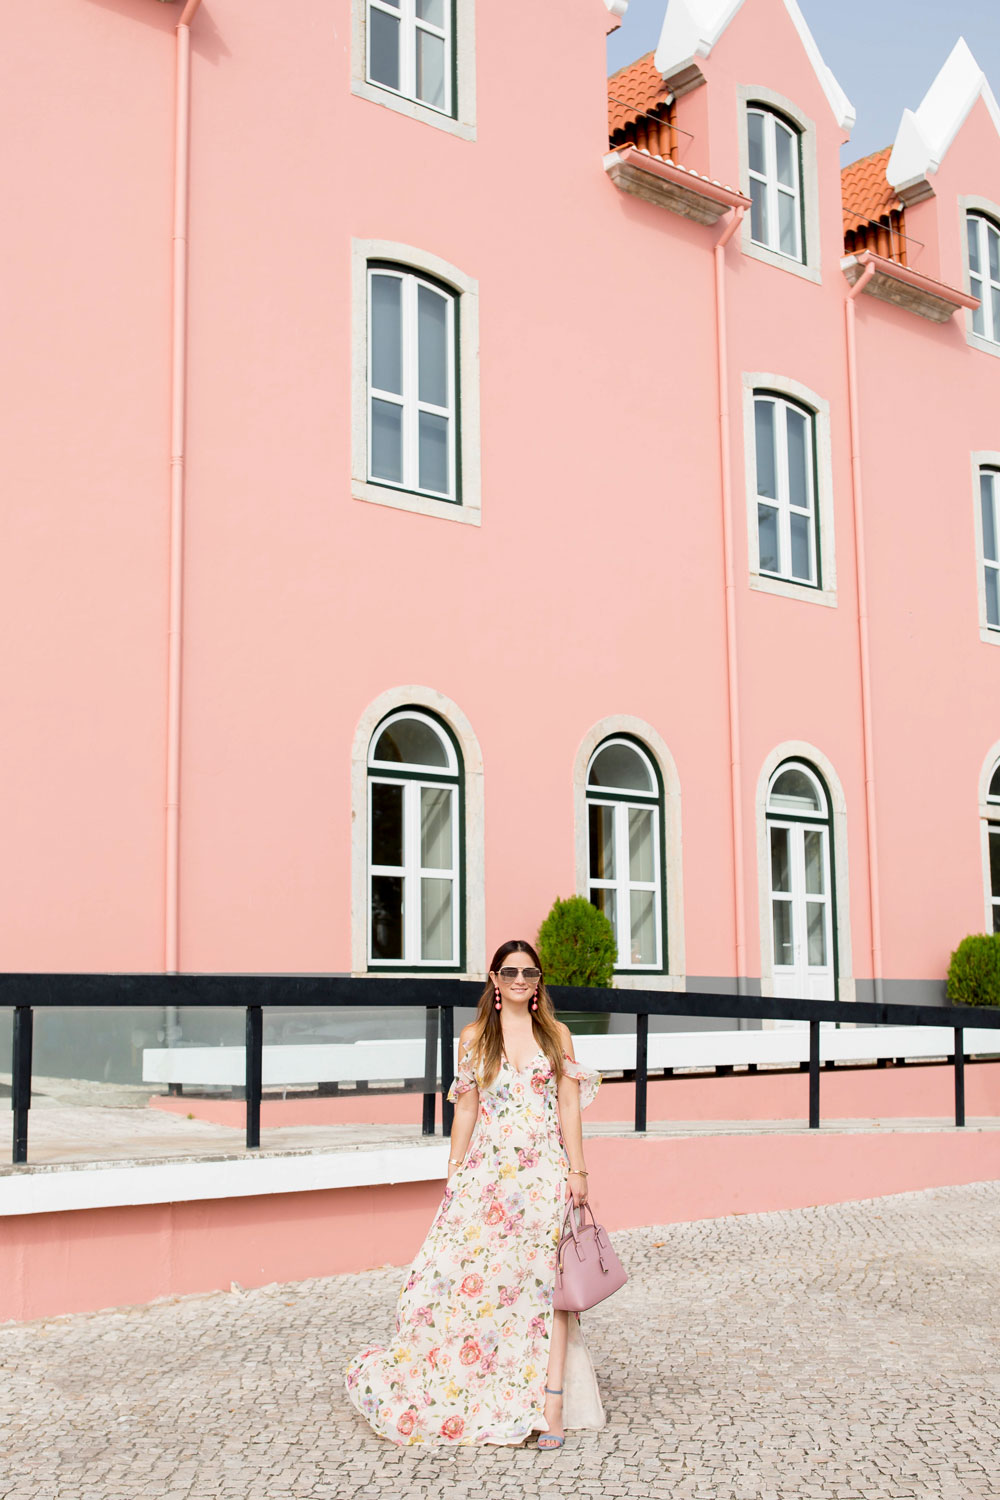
{"type": "Point", "coordinates": [565, 1036]}
{"type": "Point", "coordinates": [467, 1033]}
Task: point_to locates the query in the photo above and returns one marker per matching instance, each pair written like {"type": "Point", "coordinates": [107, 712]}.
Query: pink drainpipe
{"type": "Point", "coordinates": [178, 400]}
{"type": "Point", "coordinates": [874, 903]}
{"type": "Point", "coordinates": [732, 661]}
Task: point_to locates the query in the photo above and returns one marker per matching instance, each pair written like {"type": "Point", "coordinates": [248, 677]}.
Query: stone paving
{"type": "Point", "coordinates": [836, 1353]}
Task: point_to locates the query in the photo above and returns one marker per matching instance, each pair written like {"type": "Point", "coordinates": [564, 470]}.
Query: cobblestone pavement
{"type": "Point", "coordinates": [837, 1353]}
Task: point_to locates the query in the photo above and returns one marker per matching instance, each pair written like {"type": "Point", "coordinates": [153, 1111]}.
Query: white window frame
{"type": "Point", "coordinates": [985, 462]}
{"type": "Point", "coordinates": [821, 821]}
{"type": "Point", "coordinates": [989, 824]}
{"type": "Point", "coordinates": [767, 384]}
{"type": "Point", "coordinates": [808, 262]}
{"type": "Point", "coordinates": [409, 398]}
{"type": "Point", "coordinates": [624, 801]}
{"type": "Point", "coordinates": [981, 284]}
{"type": "Point", "coordinates": [815, 761]}
{"type": "Point", "coordinates": [466, 465]}
{"type": "Point", "coordinates": [460, 117]}
{"type": "Point", "coordinates": [405, 12]}
{"type": "Point", "coordinates": [672, 975]}
{"type": "Point", "coordinates": [973, 206]}
{"type": "Point", "coordinates": [412, 872]}
{"type": "Point", "coordinates": [781, 503]}
{"type": "Point", "coordinates": [774, 188]}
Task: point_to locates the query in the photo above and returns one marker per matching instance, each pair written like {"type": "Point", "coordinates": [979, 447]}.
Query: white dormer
{"type": "Point", "coordinates": [926, 133]}
{"type": "Point", "coordinates": [691, 29]}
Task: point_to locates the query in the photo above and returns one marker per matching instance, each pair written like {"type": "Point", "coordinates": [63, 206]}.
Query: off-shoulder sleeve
{"type": "Point", "coordinates": [588, 1080]}
{"type": "Point", "coordinates": [466, 1078]}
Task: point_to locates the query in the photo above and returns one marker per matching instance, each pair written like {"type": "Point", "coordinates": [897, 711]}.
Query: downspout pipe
{"type": "Point", "coordinates": [864, 654]}
{"type": "Point", "coordinates": [178, 401]}
{"type": "Point", "coordinates": [729, 566]}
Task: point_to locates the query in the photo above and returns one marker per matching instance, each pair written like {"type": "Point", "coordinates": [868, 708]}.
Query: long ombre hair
{"type": "Point", "coordinates": [487, 1036]}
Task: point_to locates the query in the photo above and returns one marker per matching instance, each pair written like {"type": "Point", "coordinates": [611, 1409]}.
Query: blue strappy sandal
{"type": "Point", "coordinates": [548, 1441]}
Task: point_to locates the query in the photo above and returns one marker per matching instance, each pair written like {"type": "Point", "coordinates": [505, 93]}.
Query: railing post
{"type": "Point", "coordinates": [641, 1058]}
{"type": "Point", "coordinates": [959, 1075]}
{"type": "Point", "coordinates": [20, 1091]}
{"type": "Point", "coordinates": [254, 1073]}
{"type": "Point", "coordinates": [813, 1075]}
{"type": "Point", "coordinates": [430, 1070]}
{"type": "Point", "coordinates": [447, 1066]}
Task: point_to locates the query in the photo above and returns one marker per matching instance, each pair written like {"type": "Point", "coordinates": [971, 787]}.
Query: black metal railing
{"type": "Point", "coordinates": [254, 993]}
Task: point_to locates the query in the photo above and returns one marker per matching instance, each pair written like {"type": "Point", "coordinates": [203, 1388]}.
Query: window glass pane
{"type": "Point", "coordinates": [383, 48]}
{"type": "Point", "coordinates": [798, 458]}
{"type": "Point", "coordinates": [602, 843]}
{"type": "Point", "coordinates": [387, 334]}
{"type": "Point", "coordinates": [758, 211]}
{"type": "Point", "coordinates": [411, 742]}
{"type": "Point", "coordinates": [814, 841]}
{"type": "Point", "coordinates": [431, 10]}
{"type": "Point", "coordinates": [643, 922]}
{"type": "Point", "coordinates": [755, 141]}
{"type": "Point", "coordinates": [387, 824]}
{"type": "Point", "coordinates": [641, 865]}
{"type": "Point", "coordinates": [784, 148]}
{"type": "Point", "coordinates": [434, 465]}
{"type": "Point", "coordinates": [992, 581]}
{"type": "Point", "coordinates": [781, 919]}
{"type": "Point", "coordinates": [435, 919]}
{"type": "Point", "coordinates": [435, 827]}
{"type": "Point", "coordinates": [972, 226]}
{"type": "Point", "coordinates": [430, 68]}
{"type": "Point", "coordinates": [387, 916]}
{"type": "Point", "coordinates": [816, 933]}
{"type": "Point", "coordinates": [978, 319]}
{"type": "Point", "coordinates": [780, 865]}
{"type": "Point", "coordinates": [994, 787]}
{"type": "Point", "coordinates": [794, 791]}
{"type": "Point", "coordinates": [993, 241]}
{"type": "Point", "coordinates": [801, 531]}
{"type": "Point", "coordinates": [387, 441]}
{"type": "Point", "coordinates": [995, 864]}
{"type": "Point", "coordinates": [986, 491]}
{"type": "Point", "coordinates": [995, 308]}
{"type": "Point", "coordinates": [432, 346]}
{"type": "Point", "coordinates": [605, 901]}
{"type": "Point", "coordinates": [767, 538]}
{"type": "Point", "coordinates": [763, 417]}
{"type": "Point", "coordinates": [620, 766]}
{"type": "Point", "coordinates": [788, 212]}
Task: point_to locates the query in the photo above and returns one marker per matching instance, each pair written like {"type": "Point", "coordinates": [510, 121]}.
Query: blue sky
{"type": "Point", "coordinates": [884, 54]}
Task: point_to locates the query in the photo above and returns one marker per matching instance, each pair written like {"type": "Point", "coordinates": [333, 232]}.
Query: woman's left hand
{"type": "Point", "coordinates": [576, 1188]}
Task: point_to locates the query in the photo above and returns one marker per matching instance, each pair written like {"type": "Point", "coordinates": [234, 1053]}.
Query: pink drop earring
{"type": "Point", "coordinates": [534, 999]}
{"type": "Point", "coordinates": [496, 1002]}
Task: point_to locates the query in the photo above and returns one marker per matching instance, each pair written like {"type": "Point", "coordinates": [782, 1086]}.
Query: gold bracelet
{"type": "Point", "coordinates": [578, 1172]}
{"type": "Point", "coordinates": [455, 1161]}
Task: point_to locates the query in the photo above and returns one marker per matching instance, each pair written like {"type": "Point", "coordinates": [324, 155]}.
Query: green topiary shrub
{"type": "Point", "coordinates": [974, 971]}
{"type": "Point", "coordinates": [576, 944]}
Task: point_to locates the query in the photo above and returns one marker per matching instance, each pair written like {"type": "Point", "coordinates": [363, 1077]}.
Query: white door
{"type": "Point", "coordinates": [801, 911]}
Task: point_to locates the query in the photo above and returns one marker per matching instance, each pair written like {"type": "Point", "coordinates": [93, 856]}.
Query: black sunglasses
{"type": "Point", "coordinates": [509, 972]}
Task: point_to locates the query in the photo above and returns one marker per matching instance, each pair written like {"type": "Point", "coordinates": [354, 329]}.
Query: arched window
{"type": "Point", "coordinates": [992, 830]}
{"type": "Point", "coordinates": [801, 883]}
{"type": "Point", "coordinates": [625, 840]}
{"type": "Point", "coordinates": [774, 155]}
{"type": "Point", "coordinates": [415, 818]}
{"type": "Point", "coordinates": [412, 382]}
{"type": "Point", "coordinates": [984, 274]}
{"type": "Point", "coordinates": [989, 502]}
{"type": "Point", "coordinates": [787, 513]}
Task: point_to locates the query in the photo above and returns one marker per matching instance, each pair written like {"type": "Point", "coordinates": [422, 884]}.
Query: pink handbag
{"type": "Point", "coordinates": [587, 1269]}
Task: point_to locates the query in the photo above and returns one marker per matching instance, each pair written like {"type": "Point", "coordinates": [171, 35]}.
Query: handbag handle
{"type": "Point", "coordinates": [570, 1218]}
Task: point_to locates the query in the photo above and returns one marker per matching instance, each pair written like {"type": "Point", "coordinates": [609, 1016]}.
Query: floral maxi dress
{"type": "Point", "coordinates": [469, 1358]}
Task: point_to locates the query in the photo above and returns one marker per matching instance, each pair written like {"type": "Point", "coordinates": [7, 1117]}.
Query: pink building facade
{"type": "Point", "coordinates": [420, 508]}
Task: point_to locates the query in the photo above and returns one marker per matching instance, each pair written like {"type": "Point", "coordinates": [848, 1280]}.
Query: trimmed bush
{"type": "Point", "coordinates": [576, 944]}
{"type": "Point", "coordinates": [974, 971]}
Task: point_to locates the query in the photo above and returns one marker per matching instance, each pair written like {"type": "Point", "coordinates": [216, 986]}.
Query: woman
{"type": "Point", "coordinates": [480, 1355]}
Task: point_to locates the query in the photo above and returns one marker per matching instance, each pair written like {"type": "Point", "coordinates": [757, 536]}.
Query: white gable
{"type": "Point", "coordinates": [691, 29]}
{"type": "Point", "coordinates": [617, 7]}
{"type": "Point", "coordinates": [924, 135]}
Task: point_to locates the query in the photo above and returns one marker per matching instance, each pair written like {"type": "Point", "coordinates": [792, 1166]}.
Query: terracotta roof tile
{"type": "Point", "coordinates": [633, 90]}
{"type": "Point", "coordinates": [865, 192]}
